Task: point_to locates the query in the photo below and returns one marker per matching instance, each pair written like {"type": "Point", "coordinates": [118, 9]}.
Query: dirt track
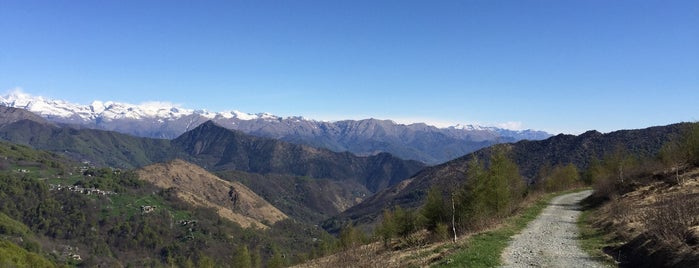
{"type": "Point", "coordinates": [551, 239]}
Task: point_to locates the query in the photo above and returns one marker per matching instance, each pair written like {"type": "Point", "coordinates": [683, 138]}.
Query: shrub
{"type": "Point", "coordinates": [669, 221]}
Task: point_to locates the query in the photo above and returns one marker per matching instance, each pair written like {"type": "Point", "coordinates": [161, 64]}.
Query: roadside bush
{"type": "Point", "coordinates": [670, 220]}
{"type": "Point", "coordinates": [562, 178]}
{"type": "Point", "coordinates": [441, 232]}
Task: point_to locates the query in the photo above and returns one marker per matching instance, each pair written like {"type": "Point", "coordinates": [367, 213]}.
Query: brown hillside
{"type": "Point", "coordinates": [197, 186]}
{"type": "Point", "coordinates": [657, 224]}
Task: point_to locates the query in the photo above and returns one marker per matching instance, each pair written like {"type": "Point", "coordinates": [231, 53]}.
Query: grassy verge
{"type": "Point", "coordinates": [484, 249]}
{"type": "Point", "coordinates": [592, 240]}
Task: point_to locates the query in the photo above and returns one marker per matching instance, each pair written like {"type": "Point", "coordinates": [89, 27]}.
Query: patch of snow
{"type": "Point", "coordinates": [245, 116]}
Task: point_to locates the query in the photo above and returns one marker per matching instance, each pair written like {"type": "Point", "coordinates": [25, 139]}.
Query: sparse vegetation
{"type": "Point", "coordinates": [484, 248]}
{"type": "Point", "coordinates": [647, 215]}
{"type": "Point", "coordinates": [592, 240]}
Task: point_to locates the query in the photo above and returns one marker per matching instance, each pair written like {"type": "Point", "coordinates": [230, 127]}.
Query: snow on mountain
{"type": "Point", "coordinates": [161, 111]}
{"type": "Point", "coordinates": [112, 110]}
{"type": "Point", "coordinates": [470, 127]}
{"type": "Point", "coordinates": [418, 141]}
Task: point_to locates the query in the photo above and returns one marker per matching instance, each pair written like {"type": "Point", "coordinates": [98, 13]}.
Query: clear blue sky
{"type": "Point", "coordinates": [554, 65]}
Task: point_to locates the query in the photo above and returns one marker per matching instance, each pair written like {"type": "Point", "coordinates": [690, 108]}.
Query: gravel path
{"type": "Point", "coordinates": [551, 239]}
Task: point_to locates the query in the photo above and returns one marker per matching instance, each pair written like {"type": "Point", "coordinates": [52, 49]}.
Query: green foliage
{"type": "Point", "coordinates": [593, 241]}
{"type": "Point", "coordinates": [110, 180]}
{"type": "Point", "coordinates": [387, 228]}
{"type": "Point", "coordinates": [406, 221]}
{"type": "Point", "coordinates": [441, 231]}
{"type": "Point", "coordinates": [12, 255]}
{"type": "Point", "coordinates": [505, 182]}
{"type": "Point", "coordinates": [682, 149]}
{"type": "Point", "coordinates": [9, 226]}
{"type": "Point", "coordinates": [691, 139]}
{"type": "Point", "coordinates": [561, 177]}
{"type": "Point", "coordinates": [434, 210]}
{"type": "Point", "coordinates": [113, 227]}
{"type": "Point", "coordinates": [489, 192]}
{"type": "Point", "coordinates": [277, 260]}
{"type": "Point", "coordinates": [470, 200]}
{"type": "Point", "coordinates": [595, 171]}
{"type": "Point", "coordinates": [242, 258]}
{"type": "Point", "coordinates": [255, 258]}
{"type": "Point", "coordinates": [350, 237]}
{"type": "Point", "coordinates": [206, 262]}
{"type": "Point", "coordinates": [484, 249]}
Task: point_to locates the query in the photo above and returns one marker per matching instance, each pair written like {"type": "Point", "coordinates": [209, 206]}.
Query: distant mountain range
{"type": "Point", "coordinates": [305, 182]}
{"type": "Point", "coordinates": [418, 141]}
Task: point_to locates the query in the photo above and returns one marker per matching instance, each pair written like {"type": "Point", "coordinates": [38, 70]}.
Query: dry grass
{"type": "Point", "coordinates": [658, 221]}
{"type": "Point", "coordinates": [201, 188]}
{"type": "Point", "coordinates": [671, 219]}
{"type": "Point", "coordinates": [416, 251]}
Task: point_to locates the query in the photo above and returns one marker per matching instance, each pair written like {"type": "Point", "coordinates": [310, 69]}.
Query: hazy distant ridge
{"type": "Point", "coordinates": [418, 141]}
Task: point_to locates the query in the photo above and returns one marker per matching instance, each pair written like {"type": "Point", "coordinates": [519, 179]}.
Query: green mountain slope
{"type": "Point", "coordinates": [530, 156]}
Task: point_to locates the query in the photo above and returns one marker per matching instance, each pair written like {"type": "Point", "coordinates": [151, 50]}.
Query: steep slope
{"type": "Point", "coordinates": [530, 156]}
{"type": "Point", "coordinates": [102, 148]}
{"type": "Point", "coordinates": [307, 183]}
{"type": "Point", "coordinates": [11, 115]}
{"type": "Point", "coordinates": [655, 223]}
{"type": "Point", "coordinates": [212, 147]}
{"type": "Point", "coordinates": [217, 148]}
{"type": "Point", "coordinates": [76, 228]}
{"type": "Point", "coordinates": [303, 198]}
{"type": "Point", "coordinates": [419, 141]}
{"type": "Point", "coordinates": [197, 186]}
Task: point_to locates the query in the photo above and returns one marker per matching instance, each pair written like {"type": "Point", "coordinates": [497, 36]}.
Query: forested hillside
{"type": "Point", "coordinates": [69, 214]}
{"type": "Point", "coordinates": [534, 160]}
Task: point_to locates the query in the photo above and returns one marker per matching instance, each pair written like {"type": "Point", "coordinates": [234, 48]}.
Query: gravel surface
{"type": "Point", "coordinates": [551, 239]}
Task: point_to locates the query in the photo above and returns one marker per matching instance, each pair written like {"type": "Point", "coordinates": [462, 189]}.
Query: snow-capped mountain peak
{"type": "Point", "coordinates": [109, 110]}
{"type": "Point", "coordinates": [470, 127]}
{"type": "Point", "coordinates": [168, 120]}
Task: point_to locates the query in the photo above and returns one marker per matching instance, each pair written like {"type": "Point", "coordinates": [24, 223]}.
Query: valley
{"type": "Point", "coordinates": [417, 141]}
{"type": "Point", "coordinates": [214, 197]}
{"type": "Point", "coordinates": [349, 134]}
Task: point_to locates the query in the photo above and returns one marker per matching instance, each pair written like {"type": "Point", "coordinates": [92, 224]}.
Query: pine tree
{"type": "Point", "coordinates": [242, 258]}
{"type": "Point", "coordinates": [277, 260]}
{"type": "Point", "coordinates": [470, 204]}
{"type": "Point", "coordinates": [498, 182]}
{"type": "Point", "coordinates": [434, 211]}
{"type": "Point", "coordinates": [387, 228]}
{"type": "Point", "coordinates": [255, 258]}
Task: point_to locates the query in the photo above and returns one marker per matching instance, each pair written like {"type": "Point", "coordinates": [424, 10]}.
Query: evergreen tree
{"type": "Point", "coordinates": [350, 237]}
{"type": "Point", "coordinates": [691, 141]}
{"type": "Point", "coordinates": [501, 175]}
{"type": "Point", "coordinates": [205, 262]}
{"type": "Point", "coordinates": [470, 205]}
{"type": "Point", "coordinates": [255, 258]}
{"type": "Point", "coordinates": [387, 228]}
{"type": "Point", "coordinates": [242, 258]}
{"type": "Point", "coordinates": [491, 192]}
{"type": "Point", "coordinates": [406, 222]}
{"type": "Point", "coordinates": [562, 178]}
{"type": "Point", "coordinates": [434, 210]}
{"type": "Point", "coordinates": [277, 260]}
